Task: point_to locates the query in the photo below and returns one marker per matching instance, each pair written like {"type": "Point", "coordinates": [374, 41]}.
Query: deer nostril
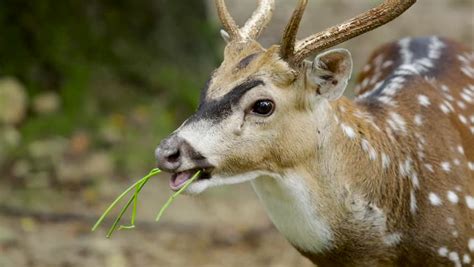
{"type": "Point", "coordinates": [174, 157]}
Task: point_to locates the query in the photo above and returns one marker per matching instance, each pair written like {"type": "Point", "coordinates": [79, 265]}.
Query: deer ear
{"type": "Point", "coordinates": [330, 72]}
{"type": "Point", "coordinates": [225, 36]}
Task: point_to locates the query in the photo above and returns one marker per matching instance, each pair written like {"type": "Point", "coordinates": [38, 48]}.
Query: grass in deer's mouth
{"type": "Point", "coordinates": [134, 199]}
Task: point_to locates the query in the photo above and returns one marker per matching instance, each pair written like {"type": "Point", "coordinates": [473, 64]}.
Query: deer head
{"type": "Point", "coordinates": [261, 109]}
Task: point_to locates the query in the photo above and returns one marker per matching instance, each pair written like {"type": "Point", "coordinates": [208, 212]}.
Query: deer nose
{"type": "Point", "coordinates": [169, 153]}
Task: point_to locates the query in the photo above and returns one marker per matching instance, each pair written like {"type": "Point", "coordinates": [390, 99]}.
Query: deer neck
{"type": "Point", "coordinates": [312, 203]}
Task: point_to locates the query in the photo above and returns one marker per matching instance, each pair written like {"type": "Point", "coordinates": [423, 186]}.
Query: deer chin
{"type": "Point", "coordinates": [214, 180]}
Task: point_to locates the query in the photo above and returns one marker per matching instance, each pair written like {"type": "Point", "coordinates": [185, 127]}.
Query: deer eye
{"type": "Point", "coordinates": [263, 107]}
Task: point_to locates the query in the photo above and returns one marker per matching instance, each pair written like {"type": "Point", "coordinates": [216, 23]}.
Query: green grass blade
{"type": "Point", "coordinates": [135, 202]}
{"type": "Point", "coordinates": [134, 208]}
{"type": "Point", "coordinates": [171, 199]}
{"type": "Point", "coordinates": [121, 196]}
{"type": "Point", "coordinates": [124, 209]}
{"type": "Point", "coordinates": [119, 217]}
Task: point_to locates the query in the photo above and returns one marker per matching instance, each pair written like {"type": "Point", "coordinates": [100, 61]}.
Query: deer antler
{"type": "Point", "coordinates": [254, 25]}
{"type": "Point", "coordinates": [295, 53]}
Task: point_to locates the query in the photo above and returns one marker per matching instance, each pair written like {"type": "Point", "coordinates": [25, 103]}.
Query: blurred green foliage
{"type": "Point", "coordinates": [109, 61]}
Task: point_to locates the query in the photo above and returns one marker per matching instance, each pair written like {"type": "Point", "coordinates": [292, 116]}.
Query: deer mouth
{"type": "Point", "coordinates": [179, 179]}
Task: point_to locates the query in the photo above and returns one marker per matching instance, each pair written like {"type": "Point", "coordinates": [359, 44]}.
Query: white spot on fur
{"type": "Point", "coordinates": [455, 233]}
{"type": "Point", "coordinates": [470, 244]}
{"type": "Point", "coordinates": [443, 251]}
{"type": "Point", "coordinates": [446, 166]}
{"type": "Point", "coordinates": [414, 180]}
{"type": "Point", "coordinates": [396, 122]}
{"type": "Point", "coordinates": [405, 52]}
{"type": "Point", "coordinates": [368, 118]}
{"type": "Point", "coordinates": [444, 88]}
{"type": "Point", "coordinates": [418, 120]}
{"type": "Point", "coordinates": [365, 82]}
{"type": "Point", "coordinates": [450, 220]}
{"type": "Point", "coordinates": [444, 108]}
{"type": "Point", "coordinates": [424, 100]}
{"type": "Point", "coordinates": [405, 167]}
{"type": "Point", "coordinates": [466, 98]}
{"type": "Point", "coordinates": [461, 104]}
{"type": "Point", "coordinates": [429, 167]}
{"type": "Point", "coordinates": [449, 97]}
{"type": "Point", "coordinates": [467, 67]}
{"type": "Point", "coordinates": [348, 131]}
{"type": "Point", "coordinates": [387, 64]}
{"type": "Point", "coordinates": [454, 257]}
{"type": "Point", "coordinates": [413, 205]}
{"type": "Point", "coordinates": [434, 48]}
{"type": "Point", "coordinates": [471, 165]}
{"type": "Point", "coordinates": [369, 149]}
{"type": "Point", "coordinates": [466, 259]}
{"type": "Point", "coordinates": [434, 199]}
{"type": "Point", "coordinates": [392, 239]}
{"type": "Point", "coordinates": [394, 85]}
{"type": "Point", "coordinates": [470, 202]}
{"type": "Point", "coordinates": [385, 161]}
{"type": "Point", "coordinates": [366, 68]}
{"type": "Point", "coordinates": [463, 119]}
{"type": "Point", "coordinates": [452, 197]}
{"type": "Point", "coordinates": [387, 101]}
{"type": "Point", "coordinates": [460, 149]}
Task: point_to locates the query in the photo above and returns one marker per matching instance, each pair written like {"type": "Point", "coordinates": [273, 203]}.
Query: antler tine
{"type": "Point", "coordinates": [259, 19]}
{"type": "Point", "coordinates": [287, 49]}
{"type": "Point", "coordinates": [373, 18]}
{"type": "Point", "coordinates": [227, 21]}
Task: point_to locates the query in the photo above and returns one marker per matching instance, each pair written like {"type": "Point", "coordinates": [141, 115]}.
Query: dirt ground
{"type": "Point", "coordinates": [223, 227]}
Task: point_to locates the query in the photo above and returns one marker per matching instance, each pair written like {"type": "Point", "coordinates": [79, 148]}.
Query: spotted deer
{"type": "Point", "coordinates": [385, 179]}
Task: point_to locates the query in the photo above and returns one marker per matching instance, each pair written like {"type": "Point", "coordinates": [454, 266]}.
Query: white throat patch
{"type": "Point", "coordinates": [292, 210]}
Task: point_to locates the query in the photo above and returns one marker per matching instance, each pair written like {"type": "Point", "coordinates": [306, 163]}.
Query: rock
{"type": "Point", "coordinates": [10, 137]}
{"type": "Point", "coordinates": [13, 101]}
{"type": "Point", "coordinates": [111, 134]}
{"type": "Point", "coordinates": [69, 172]}
{"type": "Point", "coordinates": [21, 169]}
{"type": "Point", "coordinates": [79, 144]}
{"type": "Point", "coordinates": [99, 164]}
{"type": "Point", "coordinates": [53, 148]}
{"type": "Point", "coordinates": [38, 180]}
{"type": "Point", "coordinates": [9, 140]}
{"type": "Point", "coordinates": [46, 103]}
{"type": "Point", "coordinates": [76, 171]}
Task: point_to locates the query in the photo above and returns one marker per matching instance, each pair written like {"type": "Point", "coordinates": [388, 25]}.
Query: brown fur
{"type": "Point", "coordinates": [426, 230]}
{"type": "Point", "coordinates": [383, 180]}
{"type": "Point", "coordinates": [368, 207]}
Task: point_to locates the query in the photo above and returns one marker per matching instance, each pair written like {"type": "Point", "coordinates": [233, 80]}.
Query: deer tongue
{"type": "Point", "coordinates": [179, 179]}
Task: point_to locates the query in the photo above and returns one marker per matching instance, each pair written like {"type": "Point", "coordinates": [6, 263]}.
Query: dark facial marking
{"type": "Point", "coordinates": [206, 87]}
{"type": "Point", "coordinates": [246, 61]}
{"type": "Point", "coordinates": [219, 109]}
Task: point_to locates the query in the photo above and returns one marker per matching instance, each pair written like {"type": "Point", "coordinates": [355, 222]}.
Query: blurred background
{"type": "Point", "coordinates": [87, 90]}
